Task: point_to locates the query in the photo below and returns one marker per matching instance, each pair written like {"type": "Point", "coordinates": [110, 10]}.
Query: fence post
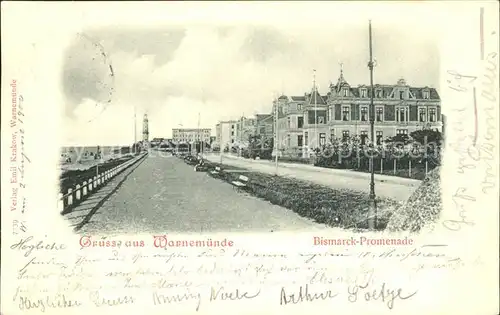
{"type": "Point", "coordinates": [84, 188]}
{"type": "Point", "coordinates": [394, 166]}
{"type": "Point", "coordinates": [70, 197]}
{"type": "Point", "coordinates": [381, 166]}
{"type": "Point", "coordinates": [96, 182]}
{"type": "Point", "coordinates": [409, 168]}
{"type": "Point", "coordinates": [78, 192]}
{"type": "Point", "coordinates": [60, 202]}
{"type": "Point", "coordinates": [426, 167]}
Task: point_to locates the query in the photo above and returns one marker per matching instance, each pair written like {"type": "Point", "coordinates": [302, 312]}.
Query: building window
{"type": "Point", "coordinates": [379, 93]}
{"type": "Point", "coordinates": [300, 138]}
{"type": "Point", "coordinates": [402, 114]}
{"type": "Point", "coordinates": [345, 135]}
{"type": "Point", "coordinates": [232, 133]}
{"type": "Point", "coordinates": [322, 139]}
{"type": "Point", "coordinates": [332, 135]}
{"type": "Point", "coordinates": [401, 95]}
{"type": "Point", "coordinates": [288, 140]}
{"type": "Point", "coordinates": [432, 114]}
{"type": "Point", "coordinates": [299, 107]}
{"type": "Point", "coordinates": [379, 135]}
{"type": "Point", "coordinates": [364, 113]}
{"type": "Point", "coordinates": [345, 113]}
{"type": "Point", "coordinates": [289, 122]}
{"type": "Point", "coordinates": [346, 92]}
{"type": "Point", "coordinates": [402, 131]}
{"type": "Point", "coordinates": [306, 138]}
{"type": "Point", "coordinates": [426, 94]}
{"type": "Point", "coordinates": [364, 136]}
{"type": "Point", "coordinates": [363, 93]}
{"type": "Point", "coordinates": [232, 126]}
{"type": "Point", "coordinates": [421, 114]}
{"type": "Point", "coordinates": [379, 113]}
{"type": "Point", "coordinates": [300, 122]}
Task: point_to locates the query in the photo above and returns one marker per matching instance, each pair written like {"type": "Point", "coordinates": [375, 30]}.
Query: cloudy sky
{"type": "Point", "coordinates": [172, 73]}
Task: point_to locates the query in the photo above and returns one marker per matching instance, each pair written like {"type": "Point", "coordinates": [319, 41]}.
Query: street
{"type": "Point", "coordinates": [163, 194]}
{"type": "Point", "coordinates": [396, 189]}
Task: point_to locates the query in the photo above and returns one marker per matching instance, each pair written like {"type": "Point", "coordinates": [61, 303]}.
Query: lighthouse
{"type": "Point", "coordinates": [145, 129]}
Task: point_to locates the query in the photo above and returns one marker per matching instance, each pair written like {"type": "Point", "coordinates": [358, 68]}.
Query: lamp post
{"type": "Point", "coordinates": [221, 146]}
{"type": "Point", "coordinates": [135, 129]}
{"type": "Point", "coordinates": [372, 216]}
{"type": "Point", "coordinates": [276, 134]}
{"type": "Point", "coordinates": [315, 111]}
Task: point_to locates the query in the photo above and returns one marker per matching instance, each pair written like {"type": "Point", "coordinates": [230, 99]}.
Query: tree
{"type": "Point", "coordinates": [427, 136]}
{"type": "Point", "coordinates": [399, 140]}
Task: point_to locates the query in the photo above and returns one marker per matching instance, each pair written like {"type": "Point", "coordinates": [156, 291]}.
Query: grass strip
{"type": "Point", "coordinates": [343, 208]}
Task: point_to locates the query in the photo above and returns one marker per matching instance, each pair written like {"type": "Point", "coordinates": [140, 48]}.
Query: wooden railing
{"type": "Point", "coordinates": [74, 196]}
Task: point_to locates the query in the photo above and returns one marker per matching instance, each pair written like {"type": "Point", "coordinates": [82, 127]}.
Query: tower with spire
{"type": "Point", "coordinates": [145, 129]}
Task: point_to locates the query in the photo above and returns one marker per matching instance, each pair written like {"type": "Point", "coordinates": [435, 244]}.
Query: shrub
{"type": "Point", "coordinates": [422, 208]}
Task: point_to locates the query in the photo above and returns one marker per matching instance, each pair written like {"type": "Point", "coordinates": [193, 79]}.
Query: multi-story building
{"type": "Point", "coordinates": [312, 120]}
{"type": "Point", "coordinates": [234, 132]}
{"type": "Point", "coordinates": [245, 127]}
{"type": "Point", "coordinates": [225, 133]}
{"type": "Point", "coordinates": [190, 135]}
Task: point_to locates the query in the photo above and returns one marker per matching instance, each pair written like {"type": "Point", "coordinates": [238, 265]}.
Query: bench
{"type": "Point", "coordinates": [216, 171]}
{"type": "Point", "coordinates": [241, 182]}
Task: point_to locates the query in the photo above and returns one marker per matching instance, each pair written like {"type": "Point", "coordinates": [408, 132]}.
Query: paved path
{"type": "Point", "coordinates": [165, 195]}
{"type": "Point", "coordinates": [397, 190]}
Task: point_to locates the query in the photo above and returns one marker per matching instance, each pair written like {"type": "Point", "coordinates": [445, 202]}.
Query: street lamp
{"type": "Point", "coordinates": [276, 134]}
{"type": "Point", "coordinates": [372, 216]}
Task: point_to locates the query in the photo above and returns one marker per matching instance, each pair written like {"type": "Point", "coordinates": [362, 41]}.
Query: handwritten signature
{"type": "Point", "coordinates": [371, 292]}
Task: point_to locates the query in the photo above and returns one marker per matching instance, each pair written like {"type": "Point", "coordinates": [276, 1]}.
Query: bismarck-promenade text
{"type": "Point", "coordinates": [362, 240]}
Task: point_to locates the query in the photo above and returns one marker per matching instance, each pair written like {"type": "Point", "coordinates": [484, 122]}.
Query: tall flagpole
{"type": "Point", "coordinates": [199, 131]}
{"type": "Point", "coordinates": [221, 146]}
{"type": "Point", "coordinates": [372, 216]}
{"type": "Point", "coordinates": [276, 134]}
{"type": "Point", "coordinates": [315, 110]}
{"type": "Point", "coordinates": [135, 129]}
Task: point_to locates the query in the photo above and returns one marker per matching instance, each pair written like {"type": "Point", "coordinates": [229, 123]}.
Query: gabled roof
{"type": "Point", "coordinates": [316, 99]}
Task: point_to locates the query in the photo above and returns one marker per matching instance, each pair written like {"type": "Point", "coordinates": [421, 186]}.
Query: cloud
{"type": "Point", "coordinates": [221, 72]}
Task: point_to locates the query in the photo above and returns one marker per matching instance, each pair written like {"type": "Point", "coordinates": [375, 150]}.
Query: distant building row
{"type": "Point", "coordinates": [310, 121]}
{"type": "Point", "coordinates": [189, 135]}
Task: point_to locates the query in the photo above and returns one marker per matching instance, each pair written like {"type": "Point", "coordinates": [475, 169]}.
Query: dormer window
{"type": "Point", "coordinates": [401, 95]}
{"type": "Point", "coordinates": [363, 93]}
{"type": "Point", "coordinates": [346, 92]}
{"type": "Point", "coordinates": [379, 93]}
{"type": "Point", "coordinates": [426, 94]}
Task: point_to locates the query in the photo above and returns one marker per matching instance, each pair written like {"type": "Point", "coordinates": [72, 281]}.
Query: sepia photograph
{"type": "Point", "coordinates": [249, 128]}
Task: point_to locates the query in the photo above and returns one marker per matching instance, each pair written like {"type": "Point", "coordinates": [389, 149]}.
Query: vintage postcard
{"type": "Point", "coordinates": [250, 158]}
